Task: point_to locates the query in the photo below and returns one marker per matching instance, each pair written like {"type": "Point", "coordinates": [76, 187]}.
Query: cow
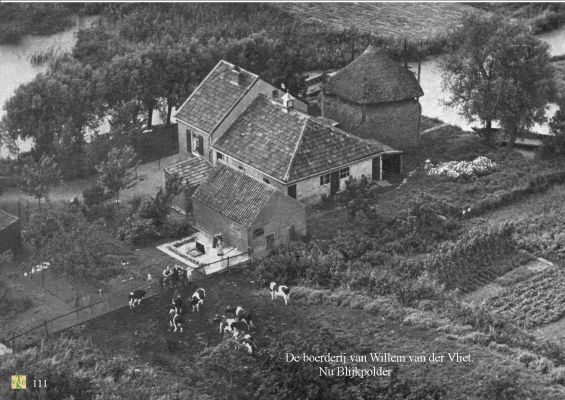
{"type": "Point", "coordinates": [181, 275]}
{"type": "Point", "coordinates": [177, 302]}
{"type": "Point", "coordinates": [231, 325]}
{"type": "Point", "coordinates": [197, 299]}
{"type": "Point", "coordinates": [135, 297]}
{"type": "Point", "coordinates": [176, 320]}
{"type": "Point", "coordinates": [248, 342]}
{"type": "Point", "coordinates": [241, 314]}
{"type": "Point", "coordinates": [280, 291]}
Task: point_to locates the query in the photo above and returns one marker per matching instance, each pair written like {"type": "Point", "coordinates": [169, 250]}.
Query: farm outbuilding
{"type": "Point", "coordinates": [10, 233]}
{"type": "Point", "coordinates": [252, 216]}
{"type": "Point", "coordinates": [376, 98]}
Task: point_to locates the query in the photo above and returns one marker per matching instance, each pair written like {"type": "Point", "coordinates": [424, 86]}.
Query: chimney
{"type": "Point", "coordinates": [235, 76]}
{"type": "Point", "coordinates": [287, 102]}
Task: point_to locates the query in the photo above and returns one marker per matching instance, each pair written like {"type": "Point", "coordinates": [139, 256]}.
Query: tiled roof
{"type": "Point", "coordinates": [214, 97]}
{"type": "Point", "coordinates": [373, 78]}
{"type": "Point", "coordinates": [193, 171]}
{"type": "Point", "coordinates": [324, 147]}
{"type": "Point", "coordinates": [233, 194]}
{"type": "Point", "coordinates": [264, 137]}
{"type": "Point", "coordinates": [6, 219]}
{"type": "Point", "coordinates": [290, 146]}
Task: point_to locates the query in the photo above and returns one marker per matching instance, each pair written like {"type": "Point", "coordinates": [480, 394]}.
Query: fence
{"type": "Point", "coordinates": [104, 303]}
{"type": "Point", "coordinates": [224, 263]}
{"type": "Point", "coordinates": [100, 304]}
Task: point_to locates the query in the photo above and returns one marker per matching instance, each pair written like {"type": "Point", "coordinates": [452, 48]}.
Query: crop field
{"type": "Point", "coordinates": [414, 21]}
{"type": "Point", "coordinates": [536, 301]}
{"type": "Point", "coordinates": [143, 334]}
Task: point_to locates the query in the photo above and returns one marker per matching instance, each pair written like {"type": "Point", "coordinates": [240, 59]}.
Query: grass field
{"type": "Point", "coordinates": [414, 21]}
{"type": "Point", "coordinates": [132, 333]}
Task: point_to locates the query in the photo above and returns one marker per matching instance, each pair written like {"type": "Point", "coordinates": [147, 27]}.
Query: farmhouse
{"type": "Point", "coordinates": [250, 215]}
{"type": "Point", "coordinates": [236, 119]}
{"type": "Point", "coordinates": [9, 231]}
{"type": "Point", "coordinates": [375, 97]}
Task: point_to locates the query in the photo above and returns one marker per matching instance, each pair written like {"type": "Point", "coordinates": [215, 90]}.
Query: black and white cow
{"type": "Point", "coordinates": [182, 275]}
{"type": "Point", "coordinates": [280, 291]}
{"type": "Point", "coordinates": [135, 297]}
{"type": "Point", "coordinates": [176, 320]}
{"type": "Point", "coordinates": [242, 315]}
{"type": "Point", "coordinates": [197, 299]}
{"type": "Point", "coordinates": [249, 343]}
{"type": "Point", "coordinates": [231, 325]}
{"type": "Point", "coordinates": [177, 302]}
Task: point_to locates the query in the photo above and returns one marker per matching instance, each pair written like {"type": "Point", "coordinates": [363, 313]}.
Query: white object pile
{"type": "Point", "coordinates": [38, 268]}
{"type": "Point", "coordinates": [461, 169]}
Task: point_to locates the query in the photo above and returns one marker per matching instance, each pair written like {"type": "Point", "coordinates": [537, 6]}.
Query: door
{"type": "Point", "coordinates": [285, 235]}
{"type": "Point", "coordinates": [376, 169]}
{"type": "Point", "coordinates": [270, 241]}
{"type": "Point", "coordinates": [334, 182]}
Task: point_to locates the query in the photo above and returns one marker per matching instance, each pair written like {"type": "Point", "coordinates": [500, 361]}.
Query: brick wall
{"type": "Point", "coordinates": [283, 217]}
{"type": "Point", "coordinates": [309, 190]}
{"type": "Point", "coordinates": [211, 222]}
{"type": "Point", "coordinates": [394, 124]}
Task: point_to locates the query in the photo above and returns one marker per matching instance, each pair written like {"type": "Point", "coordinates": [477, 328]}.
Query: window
{"type": "Point", "coordinates": [268, 182]}
{"type": "Point", "coordinates": [344, 173]}
{"type": "Point", "coordinates": [258, 232]}
{"type": "Point", "coordinates": [324, 179]}
{"type": "Point", "coordinates": [291, 191]}
{"type": "Point", "coordinates": [219, 156]}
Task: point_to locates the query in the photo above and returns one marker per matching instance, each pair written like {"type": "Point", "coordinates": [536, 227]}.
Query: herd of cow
{"type": "Point", "coordinates": [239, 324]}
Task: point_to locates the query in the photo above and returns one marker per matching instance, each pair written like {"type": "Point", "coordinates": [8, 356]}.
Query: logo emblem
{"type": "Point", "coordinates": [18, 382]}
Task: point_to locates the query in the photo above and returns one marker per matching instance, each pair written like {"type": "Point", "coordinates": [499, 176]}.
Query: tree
{"type": "Point", "coordinates": [38, 177]}
{"type": "Point", "coordinates": [498, 71]}
{"type": "Point", "coordinates": [62, 102]}
{"type": "Point", "coordinates": [158, 207]}
{"type": "Point", "coordinates": [557, 126]}
{"type": "Point", "coordinates": [115, 172]}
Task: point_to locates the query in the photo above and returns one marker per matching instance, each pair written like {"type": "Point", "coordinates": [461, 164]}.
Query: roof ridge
{"type": "Point", "coordinates": [242, 69]}
{"type": "Point", "coordinates": [298, 142]}
{"type": "Point", "coordinates": [198, 87]}
{"type": "Point", "coordinates": [348, 134]}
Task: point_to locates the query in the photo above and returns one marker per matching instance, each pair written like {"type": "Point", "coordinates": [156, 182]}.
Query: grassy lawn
{"type": "Point", "coordinates": [144, 335]}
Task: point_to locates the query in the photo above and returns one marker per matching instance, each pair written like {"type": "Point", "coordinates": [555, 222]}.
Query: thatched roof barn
{"type": "Point", "coordinates": [375, 97]}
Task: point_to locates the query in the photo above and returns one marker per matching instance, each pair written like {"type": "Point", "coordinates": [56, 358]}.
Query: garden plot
{"type": "Point", "coordinates": [536, 301]}
{"type": "Point", "coordinates": [415, 21]}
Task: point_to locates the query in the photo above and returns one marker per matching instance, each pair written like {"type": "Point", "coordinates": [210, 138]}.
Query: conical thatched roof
{"type": "Point", "coordinates": [373, 78]}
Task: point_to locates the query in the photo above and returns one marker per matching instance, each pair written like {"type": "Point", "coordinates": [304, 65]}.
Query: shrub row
{"type": "Point", "coordinates": [536, 184]}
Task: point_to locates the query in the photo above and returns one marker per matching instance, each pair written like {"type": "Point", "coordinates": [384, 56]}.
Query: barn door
{"type": "Point", "coordinates": [334, 182]}
{"type": "Point", "coordinates": [377, 169]}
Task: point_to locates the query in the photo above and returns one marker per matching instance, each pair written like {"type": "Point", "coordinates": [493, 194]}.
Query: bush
{"type": "Point", "coordinates": [558, 375]}
{"type": "Point", "coordinates": [502, 384]}
{"type": "Point", "coordinates": [93, 195]}
{"type": "Point", "coordinates": [137, 230]}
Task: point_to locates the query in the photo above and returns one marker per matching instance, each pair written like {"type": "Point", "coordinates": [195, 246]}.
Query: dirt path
{"type": "Point", "coordinates": [151, 177]}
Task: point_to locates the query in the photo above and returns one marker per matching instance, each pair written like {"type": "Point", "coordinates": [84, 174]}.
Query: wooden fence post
{"type": "Point", "coordinates": [228, 262]}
